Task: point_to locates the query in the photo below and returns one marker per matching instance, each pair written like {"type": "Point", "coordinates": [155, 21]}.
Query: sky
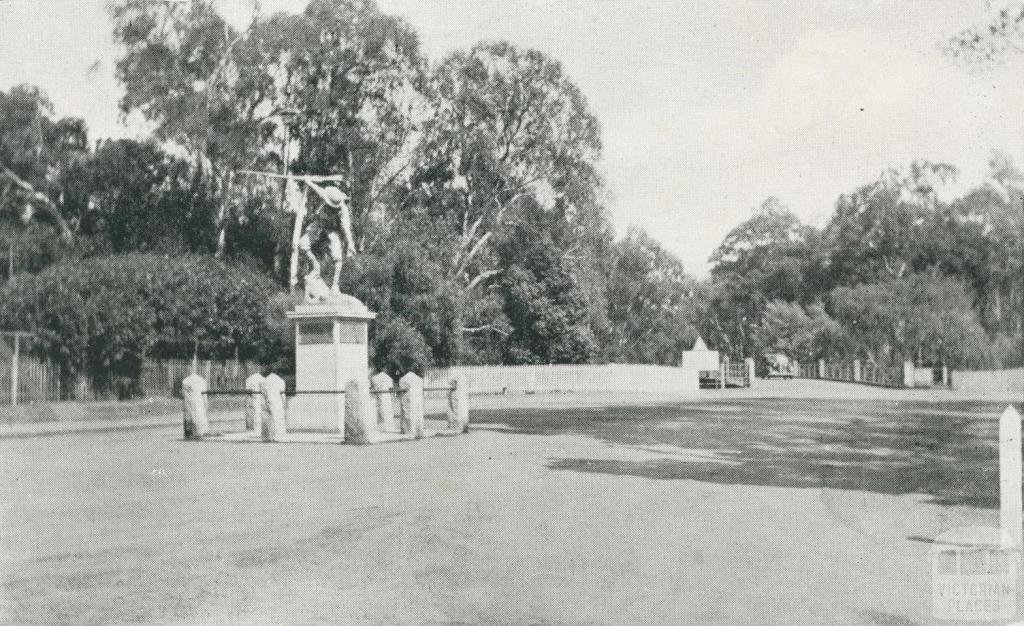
{"type": "Point", "coordinates": [707, 107]}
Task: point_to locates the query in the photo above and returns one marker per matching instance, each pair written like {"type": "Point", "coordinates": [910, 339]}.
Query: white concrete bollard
{"type": "Point", "coordinates": [360, 423]}
{"type": "Point", "coordinates": [1011, 500]}
{"type": "Point", "coordinates": [381, 385]}
{"type": "Point", "coordinates": [193, 401]}
{"type": "Point", "coordinates": [272, 424]}
{"type": "Point", "coordinates": [254, 403]}
{"type": "Point", "coordinates": [458, 405]}
{"type": "Point", "coordinates": [411, 387]}
{"type": "Point", "coordinates": [821, 368]}
{"type": "Point", "coordinates": [751, 371]}
{"type": "Point", "coordinates": [856, 370]}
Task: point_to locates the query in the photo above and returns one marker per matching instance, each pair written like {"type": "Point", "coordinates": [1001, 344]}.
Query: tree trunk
{"type": "Point", "coordinates": [222, 216]}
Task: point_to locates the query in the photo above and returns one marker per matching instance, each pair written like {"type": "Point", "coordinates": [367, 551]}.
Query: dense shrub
{"type": "Point", "coordinates": [398, 348]}
{"type": "Point", "coordinates": [101, 316]}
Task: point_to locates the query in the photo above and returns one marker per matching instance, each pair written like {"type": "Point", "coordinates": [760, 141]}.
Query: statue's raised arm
{"type": "Point", "coordinates": [305, 236]}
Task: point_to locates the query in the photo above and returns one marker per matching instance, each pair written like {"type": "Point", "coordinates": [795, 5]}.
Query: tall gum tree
{"type": "Point", "coordinates": [507, 125]}
{"type": "Point", "coordinates": [507, 131]}
{"type": "Point", "coordinates": [204, 86]}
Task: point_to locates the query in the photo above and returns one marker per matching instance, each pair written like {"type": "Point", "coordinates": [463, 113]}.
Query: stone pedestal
{"type": "Point", "coordinates": [330, 350]}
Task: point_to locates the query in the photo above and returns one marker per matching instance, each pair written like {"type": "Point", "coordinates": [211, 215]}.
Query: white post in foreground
{"type": "Point", "coordinates": [360, 422]}
{"type": "Point", "coordinates": [272, 426]}
{"type": "Point", "coordinates": [411, 421]}
{"type": "Point", "coordinates": [254, 404]}
{"type": "Point", "coordinates": [458, 405]}
{"type": "Point", "coordinates": [381, 386]}
{"type": "Point", "coordinates": [193, 400]}
{"type": "Point", "coordinates": [1011, 504]}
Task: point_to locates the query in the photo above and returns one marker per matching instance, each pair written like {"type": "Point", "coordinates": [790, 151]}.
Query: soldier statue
{"type": "Point", "coordinates": [305, 234]}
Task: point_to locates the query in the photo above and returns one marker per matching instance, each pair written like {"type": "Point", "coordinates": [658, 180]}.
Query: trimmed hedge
{"type": "Point", "coordinates": [102, 315]}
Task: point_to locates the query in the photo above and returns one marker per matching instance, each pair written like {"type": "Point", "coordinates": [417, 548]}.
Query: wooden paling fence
{"type": "Point", "coordinates": [37, 381]}
{"type": "Point", "coordinates": [40, 381]}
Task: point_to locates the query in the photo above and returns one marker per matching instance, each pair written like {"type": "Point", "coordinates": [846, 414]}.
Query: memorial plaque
{"type": "Point", "coordinates": [352, 332]}
{"type": "Point", "coordinates": [313, 333]}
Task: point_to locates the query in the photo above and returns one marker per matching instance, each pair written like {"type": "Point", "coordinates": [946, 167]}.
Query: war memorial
{"type": "Point", "coordinates": [335, 399]}
{"type": "Point", "coordinates": [511, 312]}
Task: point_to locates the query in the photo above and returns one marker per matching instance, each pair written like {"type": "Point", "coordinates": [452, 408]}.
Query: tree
{"type": "Point", "coordinates": [142, 199]}
{"type": "Point", "coordinates": [101, 316]}
{"type": "Point", "coordinates": [37, 154]}
{"type": "Point", "coordinates": [204, 86]}
{"type": "Point", "coordinates": [801, 334]}
{"type": "Point", "coordinates": [996, 209]}
{"type": "Point", "coordinates": [542, 300]}
{"type": "Point", "coordinates": [507, 128]}
{"type": "Point", "coordinates": [923, 317]}
{"type": "Point", "coordinates": [981, 46]}
{"type": "Point", "coordinates": [650, 303]}
{"type": "Point", "coordinates": [882, 229]}
{"type": "Point", "coordinates": [1001, 35]}
{"type": "Point", "coordinates": [772, 255]}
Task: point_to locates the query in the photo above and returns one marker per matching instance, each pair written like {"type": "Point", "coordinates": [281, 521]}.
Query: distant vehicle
{"type": "Point", "coordinates": [781, 366]}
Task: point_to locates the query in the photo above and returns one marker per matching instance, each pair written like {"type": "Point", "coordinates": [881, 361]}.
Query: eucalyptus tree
{"type": "Point", "coordinates": [507, 126]}
{"type": "Point", "coordinates": [507, 132]}
{"type": "Point", "coordinates": [203, 85]}
{"type": "Point", "coordinates": [650, 303]}
{"type": "Point", "coordinates": [882, 229]}
{"type": "Point", "coordinates": [40, 157]}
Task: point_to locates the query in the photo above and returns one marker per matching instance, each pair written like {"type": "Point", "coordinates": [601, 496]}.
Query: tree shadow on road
{"type": "Point", "coordinates": [945, 450]}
